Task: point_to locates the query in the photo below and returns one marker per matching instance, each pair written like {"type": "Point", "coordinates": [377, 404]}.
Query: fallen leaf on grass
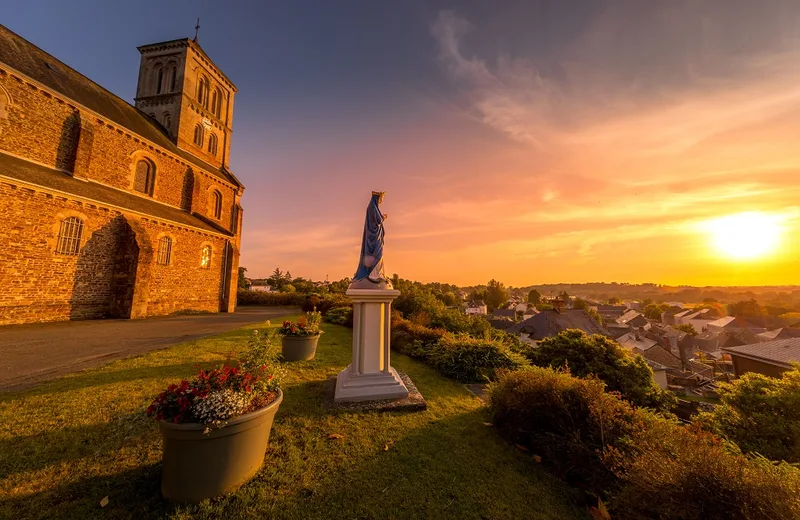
{"type": "Point", "coordinates": [600, 512]}
{"type": "Point", "coordinates": [488, 424]}
{"type": "Point", "coordinates": [520, 447]}
{"type": "Point", "coordinates": [537, 458]}
{"type": "Point", "coordinates": [386, 448]}
{"type": "Point", "coordinates": [336, 436]}
{"type": "Point", "coordinates": [104, 502]}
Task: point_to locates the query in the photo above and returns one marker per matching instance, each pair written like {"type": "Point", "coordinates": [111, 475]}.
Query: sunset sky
{"type": "Point", "coordinates": [532, 142]}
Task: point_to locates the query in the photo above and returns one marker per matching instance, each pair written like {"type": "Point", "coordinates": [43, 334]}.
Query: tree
{"type": "Point", "coordinates": [534, 297]}
{"type": "Point", "coordinates": [277, 280]}
{"type": "Point", "coordinates": [580, 303]}
{"type": "Point", "coordinates": [242, 283]}
{"type": "Point", "coordinates": [746, 309]}
{"type": "Point", "coordinates": [496, 294]}
{"type": "Point", "coordinates": [760, 414]}
{"type": "Point", "coordinates": [791, 319]}
{"type": "Point", "coordinates": [688, 328]}
{"type": "Point", "coordinates": [621, 371]}
{"type": "Point", "coordinates": [614, 301]}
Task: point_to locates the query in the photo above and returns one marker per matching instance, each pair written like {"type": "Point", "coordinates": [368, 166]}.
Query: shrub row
{"type": "Point", "coordinates": [644, 465]}
{"type": "Point", "coordinates": [466, 359]}
{"type": "Point", "coordinates": [308, 302]}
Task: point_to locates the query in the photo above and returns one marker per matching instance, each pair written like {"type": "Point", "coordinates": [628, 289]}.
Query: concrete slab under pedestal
{"type": "Point", "coordinates": [352, 387]}
{"type": "Point", "coordinates": [414, 401]}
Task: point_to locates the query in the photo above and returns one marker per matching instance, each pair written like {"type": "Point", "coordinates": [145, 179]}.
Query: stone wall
{"type": "Point", "coordinates": [116, 260]}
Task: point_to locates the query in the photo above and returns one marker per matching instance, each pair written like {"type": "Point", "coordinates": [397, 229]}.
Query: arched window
{"type": "Point", "coordinates": [205, 257]}
{"type": "Point", "coordinates": [69, 236]}
{"type": "Point", "coordinates": [158, 82]}
{"type": "Point", "coordinates": [172, 74]}
{"type": "Point", "coordinates": [216, 204]}
{"type": "Point", "coordinates": [145, 176]}
{"type": "Point", "coordinates": [214, 101]}
{"type": "Point", "coordinates": [3, 103]}
{"type": "Point", "coordinates": [166, 120]}
{"type": "Point", "coordinates": [202, 91]}
{"type": "Point", "coordinates": [212, 144]}
{"type": "Point", "coordinates": [164, 251]}
{"type": "Point", "coordinates": [198, 135]}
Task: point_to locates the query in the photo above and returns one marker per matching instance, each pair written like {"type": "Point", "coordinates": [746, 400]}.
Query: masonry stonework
{"type": "Point", "coordinates": [62, 157]}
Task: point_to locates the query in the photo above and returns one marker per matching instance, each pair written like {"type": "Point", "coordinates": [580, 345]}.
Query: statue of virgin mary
{"type": "Point", "coordinates": [369, 274]}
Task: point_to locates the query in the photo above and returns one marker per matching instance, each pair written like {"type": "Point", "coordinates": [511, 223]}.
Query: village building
{"type": "Point", "coordinates": [771, 358]}
{"type": "Point", "coordinates": [477, 308]}
{"type": "Point", "coordinates": [550, 323]}
{"type": "Point", "coordinates": [111, 209]}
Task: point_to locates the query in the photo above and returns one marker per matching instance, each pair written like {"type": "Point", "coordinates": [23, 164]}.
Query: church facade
{"type": "Point", "coordinates": [112, 209]}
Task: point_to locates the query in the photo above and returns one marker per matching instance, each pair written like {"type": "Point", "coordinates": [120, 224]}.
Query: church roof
{"type": "Point", "coordinates": [56, 180]}
{"type": "Point", "coordinates": [30, 60]}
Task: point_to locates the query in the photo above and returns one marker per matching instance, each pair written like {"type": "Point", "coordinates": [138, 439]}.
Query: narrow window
{"type": "Point", "coordinates": [69, 236]}
{"type": "Point", "coordinates": [198, 135]}
{"type": "Point", "coordinates": [172, 77]}
{"type": "Point", "coordinates": [201, 90]}
{"type": "Point", "coordinates": [212, 144]}
{"type": "Point", "coordinates": [216, 204]}
{"type": "Point", "coordinates": [164, 250]}
{"type": "Point", "coordinates": [214, 101]}
{"type": "Point", "coordinates": [159, 79]}
{"type": "Point", "coordinates": [205, 257]}
{"type": "Point", "coordinates": [166, 120]}
{"type": "Point", "coordinates": [144, 178]}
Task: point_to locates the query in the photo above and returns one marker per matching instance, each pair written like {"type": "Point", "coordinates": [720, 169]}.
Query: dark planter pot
{"type": "Point", "coordinates": [299, 348]}
{"type": "Point", "coordinates": [201, 465]}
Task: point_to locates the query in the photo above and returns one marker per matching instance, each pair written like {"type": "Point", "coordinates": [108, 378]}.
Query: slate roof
{"type": "Point", "coordinates": [504, 313]}
{"type": "Point", "coordinates": [476, 303]}
{"type": "Point", "coordinates": [30, 60]}
{"type": "Point", "coordinates": [781, 352]}
{"type": "Point", "coordinates": [628, 316]}
{"type": "Point", "coordinates": [39, 175]}
{"type": "Point", "coordinates": [660, 355]}
{"type": "Point", "coordinates": [551, 322]}
{"type": "Point", "coordinates": [633, 340]}
{"type": "Point", "coordinates": [782, 333]}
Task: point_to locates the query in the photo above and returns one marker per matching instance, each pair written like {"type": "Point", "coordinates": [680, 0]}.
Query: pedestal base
{"type": "Point", "coordinates": [352, 388]}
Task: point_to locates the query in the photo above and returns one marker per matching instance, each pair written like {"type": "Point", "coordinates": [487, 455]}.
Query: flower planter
{"type": "Point", "coordinates": [201, 465]}
{"type": "Point", "coordinates": [299, 348]}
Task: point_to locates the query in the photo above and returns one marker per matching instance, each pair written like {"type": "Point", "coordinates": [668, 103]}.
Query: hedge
{"type": "Point", "coordinates": [644, 465]}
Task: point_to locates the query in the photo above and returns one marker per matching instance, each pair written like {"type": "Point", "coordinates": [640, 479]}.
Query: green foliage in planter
{"type": "Point", "coordinates": [600, 356]}
{"type": "Point", "coordinates": [761, 414]}
{"type": "Point", "coordinates": [644, 465]}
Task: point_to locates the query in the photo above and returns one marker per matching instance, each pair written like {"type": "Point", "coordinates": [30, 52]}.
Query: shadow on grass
{"type": "Point", "coordinates": [93, 378]}
{"type": "Point", "coordinates": [131, 494]}
{"type": "Point", "coordinates": [451, 468]}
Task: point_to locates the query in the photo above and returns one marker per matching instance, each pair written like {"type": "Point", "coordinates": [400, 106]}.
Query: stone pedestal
{"type": "Point", "coordinates": [370, 376]}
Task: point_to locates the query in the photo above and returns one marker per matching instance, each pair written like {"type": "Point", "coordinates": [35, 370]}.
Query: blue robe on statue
{"type": "Point", "coordinates": [371, 262]}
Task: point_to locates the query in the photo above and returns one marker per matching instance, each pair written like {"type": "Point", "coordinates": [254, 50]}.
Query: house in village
{"type": "Point", "coordinates": [611, 312]}
{"type": "Point", "coordinates": [634, 320]}
{"type": "Point", "coordinates": [504, 314]}
{"type": "Point", "coordinates": [771, 358]}
{"type": "Point", "coordinates": [477, 307]}
{"type": "Point", "coordinates": [732, 324]}
{"type": "Point", "coordinates": [782, 333]}
{"type": "Point", "coordinates": [550, 323]}
{"type": "Point", "coordinates": [699, 320]}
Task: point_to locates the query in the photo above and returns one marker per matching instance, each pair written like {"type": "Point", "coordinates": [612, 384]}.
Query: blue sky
{"type": "Point", "coordinates": [527, 141]}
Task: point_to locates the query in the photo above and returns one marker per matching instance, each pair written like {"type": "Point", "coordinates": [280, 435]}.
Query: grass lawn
{"type": "Point", "coordinates": [67, 444]}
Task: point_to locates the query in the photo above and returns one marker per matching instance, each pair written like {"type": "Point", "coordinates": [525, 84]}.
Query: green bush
{"type": "Point", "coordinates": [340, 316]}
{"type": "Point", "coordinates": [760, 414]}
{"type": "Point", "coordinates": [471, 360]}
{"type": "Point", "coordinates": [461, 357]}
{"type": "Point", "coordinates": [245, 297]}
{"type": "Point", "coordinates": [600, 356]}
{"type": "Point", "coordinates": [644, 465]}
{"type": "Point", "coordinates": [565, 420]}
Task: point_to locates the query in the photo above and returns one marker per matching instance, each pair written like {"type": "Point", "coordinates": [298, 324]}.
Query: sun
{"type": "Point", "coordinates": [745, 236]}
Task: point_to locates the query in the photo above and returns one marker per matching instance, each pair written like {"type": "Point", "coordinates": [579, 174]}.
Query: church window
{"type": "Point", "coordinates": [69, 236]}
{"type": "Point", "coordinates": [166, 120]}
{"type": "Point", "coordinates": [216, 204]}
{"type": "Point", "coordinates": [205, 257]}
{"type": "Point", "coordinates": [164, 251]}
{"type": "Point", "coordinates": [172, 74]}
{"type": "Point", "coordinates": [198, 135]}
{"type": "Point", "coordinates": [214, 101]}
{"type": "Point", "coordinates": [144, 177]}
{"type": "Point", "coordinates": [202, 92]}
{"type": "Point", "coordinates": [212, 144]}
{"type": "Point", "coordinates": [159, 79]}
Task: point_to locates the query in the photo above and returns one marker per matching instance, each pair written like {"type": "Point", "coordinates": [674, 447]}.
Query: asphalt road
{"type": "Point", "coordinates": [30, 354]}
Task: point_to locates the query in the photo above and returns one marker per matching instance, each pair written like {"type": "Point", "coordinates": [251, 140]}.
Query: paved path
{"type": "Point", "coordinates": [30, 354]}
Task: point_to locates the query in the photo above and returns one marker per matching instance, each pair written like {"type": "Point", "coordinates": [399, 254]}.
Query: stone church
{"type": "Point", "coordinates": [112, 209]}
